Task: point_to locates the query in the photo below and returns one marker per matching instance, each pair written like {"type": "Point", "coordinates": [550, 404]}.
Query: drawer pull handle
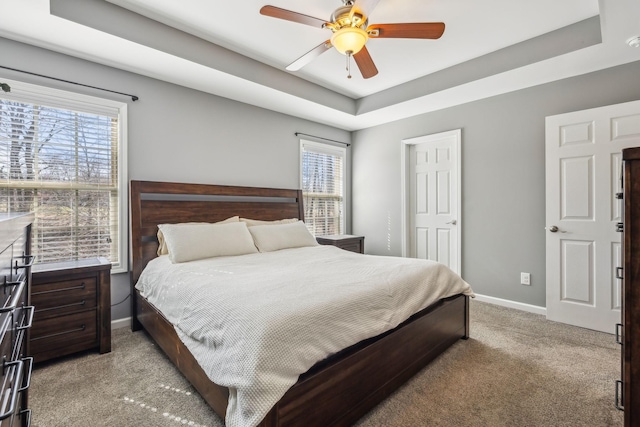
{"type": "Point", "coordinates": [83, 302]}
{"type": "Point", "coordinates": [619, 395]}
{"type": "Point", "coordinates": [31, 310]}
{"type": "Point", "coordinates": [26, 412]}
{"type": "Point", "coordinates": [70, 331]}
{"type": "Point", "coordinates": [8, 283]}
{"type": "Point", "coordinates": [28, 262]}
{"type": "Point", "coordinates": [11, 283]}
{"type": "Point", "coordinates": [73, 288]}
{"type": "Point", "coordinates": [15, 298]}
{"type": "Point", "coordinates": [15, 385]}
{"type": "Point", "coordinates": [28, 378]}
{"type": "Point", "coordinates": [618, 334]}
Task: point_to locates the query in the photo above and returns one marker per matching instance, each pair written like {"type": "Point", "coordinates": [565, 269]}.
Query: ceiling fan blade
{"type": "Point", "coordinates": [417, 30]}
{"type": "Point", "coordinates": [365, 63]}
{"type": "Point", "coordinates": [288, 15]}
{"type": "Point", "coordinates": [363, 7]}
{"type": "Point", "coordinates": [310, 56]}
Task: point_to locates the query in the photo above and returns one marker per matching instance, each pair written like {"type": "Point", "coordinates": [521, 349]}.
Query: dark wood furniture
{"type": "Point", "coordinates": [344, 241]}
{"type": "Point", "coordinates": [336, 391]}
{"type": "Point", "coordinates": [15, 318]}
{"type": "Point", "coordinates": [630, 336]}
{"type": "Point", "coordinates": [73, 308]}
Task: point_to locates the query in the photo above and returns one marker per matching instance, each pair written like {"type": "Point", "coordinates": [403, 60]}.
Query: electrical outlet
{"type": "Point", "coordinates": [525, 279]}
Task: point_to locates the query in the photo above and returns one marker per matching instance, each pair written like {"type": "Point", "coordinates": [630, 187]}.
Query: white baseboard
{"type": "Point", "coordinates": [121, 323]}
{"type": "Point", "coordinates": [512, 304]}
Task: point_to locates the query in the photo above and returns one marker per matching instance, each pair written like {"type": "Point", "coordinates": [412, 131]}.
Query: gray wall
{"type": "Point", "coordinates": [178, 134]}
{"type": "Point", "coordinates": [503, 195]}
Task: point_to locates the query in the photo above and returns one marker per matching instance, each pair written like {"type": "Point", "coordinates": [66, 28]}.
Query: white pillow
{"type": "Point", "coordinates": [189, 242]}
{"type": "Point", "coordinates": [254, 222]}
{"type": "Point", "coordinates": [282, 236]}
{"type": "Point", "coordinates": [162, 246]}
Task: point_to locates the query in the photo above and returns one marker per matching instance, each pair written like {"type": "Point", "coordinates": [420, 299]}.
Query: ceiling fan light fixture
{"type": "Point", "coordinates": [349, 40]}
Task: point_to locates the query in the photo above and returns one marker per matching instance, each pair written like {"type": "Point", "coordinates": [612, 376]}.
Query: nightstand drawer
{"type": "Point", "coordinates": [353, 247]}
{"type": "Point", "coordinates": [64, 334]}
{"type": "Point", "coordinates": [65, 297]}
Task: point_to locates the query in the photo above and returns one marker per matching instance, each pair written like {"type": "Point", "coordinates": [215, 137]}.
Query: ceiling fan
{"type": "Point", "coordinates": [351, 31]}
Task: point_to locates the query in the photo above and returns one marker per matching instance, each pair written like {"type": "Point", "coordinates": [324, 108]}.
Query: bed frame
{"type": "Point", "coordinates": [336, 391]}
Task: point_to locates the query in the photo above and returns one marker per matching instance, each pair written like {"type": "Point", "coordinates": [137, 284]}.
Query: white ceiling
{"type": "Point", "coordinates": [473, 31]}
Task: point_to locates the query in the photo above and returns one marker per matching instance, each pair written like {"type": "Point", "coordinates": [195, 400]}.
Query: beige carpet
{"type": "Point", "coordinates": [518, 369]}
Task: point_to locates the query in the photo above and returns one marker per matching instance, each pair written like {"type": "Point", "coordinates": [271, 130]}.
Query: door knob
{"type": "Point", "coordinates": [553, 229]}
{"type": "Point", "coordinates": [453, 222]}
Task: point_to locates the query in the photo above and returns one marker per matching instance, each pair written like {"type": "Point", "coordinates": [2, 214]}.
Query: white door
{"type": "Point", "coordinates": [583, 171]}
{"type": "Point", "coordinates": [433, 198]}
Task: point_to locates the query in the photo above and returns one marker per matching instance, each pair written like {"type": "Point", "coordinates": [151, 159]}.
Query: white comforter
{"type": "Point", "coordinates": [256, 322]}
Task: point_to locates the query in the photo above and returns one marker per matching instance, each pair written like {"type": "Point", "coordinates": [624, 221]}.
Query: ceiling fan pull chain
{"type": "Point", "coordinates": [349, 64]}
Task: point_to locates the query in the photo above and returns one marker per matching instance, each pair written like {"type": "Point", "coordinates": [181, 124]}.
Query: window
{"type": "Point", "coordinates": [322, 168]}
{"type": "Point", "coordinates": [62, 157]}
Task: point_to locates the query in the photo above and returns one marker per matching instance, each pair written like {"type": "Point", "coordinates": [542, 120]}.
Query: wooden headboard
{"type": "Point", "coordinates": [154, 203]}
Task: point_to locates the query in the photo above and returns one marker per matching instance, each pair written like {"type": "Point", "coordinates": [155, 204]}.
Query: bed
{"type": "Point", "coordinates": [336, 391]}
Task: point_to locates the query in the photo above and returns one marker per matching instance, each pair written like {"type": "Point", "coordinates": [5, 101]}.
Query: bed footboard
{"type": "Point", "coordinates": [339, 390]}
{"type": "Point", "coordinates": [342, 391]}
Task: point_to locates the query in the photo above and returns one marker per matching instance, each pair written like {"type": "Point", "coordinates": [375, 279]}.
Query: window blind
{"type": "Point", "coordinates": [322, 181]}
{"type": "Point", "coordinates": [63, 164]}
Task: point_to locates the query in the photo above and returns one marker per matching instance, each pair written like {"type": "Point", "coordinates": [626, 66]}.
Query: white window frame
{"type": "Point", "coordinates": [35, 94]}
{"type": "Point", "coordinates": [333, 150]}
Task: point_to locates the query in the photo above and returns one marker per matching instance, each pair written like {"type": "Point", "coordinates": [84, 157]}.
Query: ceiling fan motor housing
{"type": "Point", "coordinates": [342, 17]}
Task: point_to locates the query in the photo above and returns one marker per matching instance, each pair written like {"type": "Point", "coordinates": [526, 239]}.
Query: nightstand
{"type": "Point", "coordinates": [72, 303]}
{"type": "Point", "coordinates": [344, 241]}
